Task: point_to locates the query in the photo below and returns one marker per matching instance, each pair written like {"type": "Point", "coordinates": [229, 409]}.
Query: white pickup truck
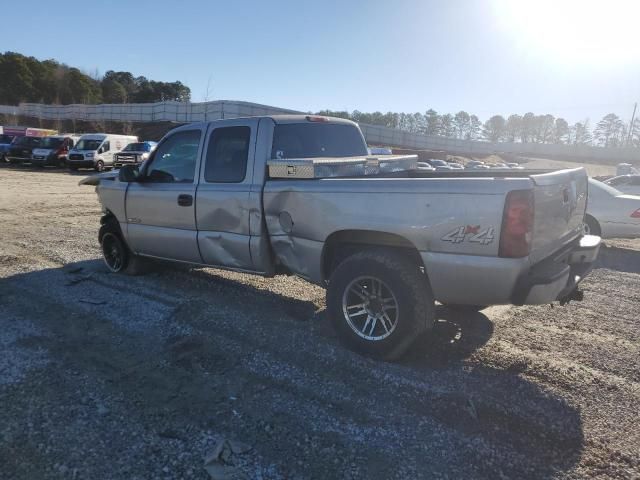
{"type": "Point", "coordinates": [301, 195]}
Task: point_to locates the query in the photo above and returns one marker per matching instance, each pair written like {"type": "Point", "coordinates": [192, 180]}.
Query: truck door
{"type": "Point", "coordinates": [226, 198]}
{"type": "Point", "coordinates": [160, 208]}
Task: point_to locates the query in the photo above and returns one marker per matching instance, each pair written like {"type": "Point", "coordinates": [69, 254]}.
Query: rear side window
{"type": "Point", "coordinates": [308, 140]}
{"type": "Point", "coordinates": [227, 155]}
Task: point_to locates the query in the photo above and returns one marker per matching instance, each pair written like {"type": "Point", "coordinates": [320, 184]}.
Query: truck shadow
{"type": "Point", "coordinates": [620, 259]}
{"type": "Point", "coordinates": [431, 411]}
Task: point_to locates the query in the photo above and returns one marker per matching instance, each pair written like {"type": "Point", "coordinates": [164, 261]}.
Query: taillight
{"type": "Point", "coordinates": [517, 224]}
{"type": "Point", "coordinates": [636, 214]}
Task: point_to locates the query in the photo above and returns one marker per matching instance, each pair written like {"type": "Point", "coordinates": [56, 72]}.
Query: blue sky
{"type": "Point", "coordinates": [483, 56]}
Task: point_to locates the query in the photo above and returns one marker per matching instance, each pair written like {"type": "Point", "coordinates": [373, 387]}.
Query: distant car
{"type": "Point", "coordinates": [513, 165]}
{"type": "Point", "coordinates": [134, 153]}
{"type": "Point", "coordinates": [5, 143]}
{"type": "Point", "coordinates": [475, 164]}
{"type": "Point", "coordinates": [21, 149]}
{"type": "Point", "coordinates": [625, 183]}
{"type": "Point", "coordinates": [53, 150]}
{"type": "Point", "coordinates": [626, 169]}
{"type": "Point", "coordinates": [425, 166]}
{"type": "Point", "coordinates": [611, 213]}
{"type": "Point", "coordinates": [456, 166]}
{"type": "Point", "coordinates": [439, 165]}
{"type": "Point", "coordinates": [500, 165]}
{"type": "Point", "coordinates": [380, 151]}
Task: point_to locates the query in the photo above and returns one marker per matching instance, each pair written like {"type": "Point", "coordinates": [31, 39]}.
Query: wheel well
{"type": "Point", "coordinates": [340, 245]}
{"type": "Point", "coordinates": [108, 219]}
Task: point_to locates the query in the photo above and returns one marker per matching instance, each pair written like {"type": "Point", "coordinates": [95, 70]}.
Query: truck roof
{"type": "Point", "coordinates": [278, 119]}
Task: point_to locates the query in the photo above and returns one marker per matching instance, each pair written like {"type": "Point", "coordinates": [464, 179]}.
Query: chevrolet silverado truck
{"type": "Point", "coordinates": [301, 195]}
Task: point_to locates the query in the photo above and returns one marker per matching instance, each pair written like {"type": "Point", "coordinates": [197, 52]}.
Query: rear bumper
{"type": "Point", "coordinates": [556, 277]}
{"type": "Point", "coordinates": [18, 159]}
{"type": "Point", "coordinates": [476, 280]}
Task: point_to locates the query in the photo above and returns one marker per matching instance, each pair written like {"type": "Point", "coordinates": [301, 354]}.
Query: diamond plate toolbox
{"type": "Point", "coordinates": [307, 168]}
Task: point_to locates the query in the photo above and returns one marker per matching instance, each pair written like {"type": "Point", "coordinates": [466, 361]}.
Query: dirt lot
{"type": "Point", "coordinates": [107, 376]}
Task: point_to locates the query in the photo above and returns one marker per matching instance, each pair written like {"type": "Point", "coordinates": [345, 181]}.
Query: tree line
{"type": "Point", "coordinates": [27, 79]}
{"type": "Point", "coordinates": [611, 131]}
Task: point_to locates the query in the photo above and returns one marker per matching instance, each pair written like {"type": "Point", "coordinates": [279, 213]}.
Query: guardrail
{"type": "Point", "coordinates": [198, 112]}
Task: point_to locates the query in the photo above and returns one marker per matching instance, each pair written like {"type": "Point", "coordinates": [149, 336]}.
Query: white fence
{"type": "Point", "coordinates": [376, 135]}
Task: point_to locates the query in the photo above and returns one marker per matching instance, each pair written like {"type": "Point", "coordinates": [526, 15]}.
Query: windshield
{"type": "Point", "coordinates": [28, 141]}
{"type": "Point", "coordinates": [51, 142]}
{"type": "Point", "coordinates": [600, 188]}
{"type": "Point", "coordinates": [86, 144]}
{"type": "Point", "coordinates": [309, 140]}
{"type": "Point", "coordinates": [136, 147]}
{"type": "Point", "coordinates": [6, 138]}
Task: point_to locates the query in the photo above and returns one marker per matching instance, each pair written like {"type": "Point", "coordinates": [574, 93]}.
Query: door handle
{"type": "Point", "coordinates": [185, 200]}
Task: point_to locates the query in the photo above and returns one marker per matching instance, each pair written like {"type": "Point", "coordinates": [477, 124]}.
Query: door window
{"type": "Point", "coordinates": [227, 155]}
{"type": "Point", "coordinates": [105, 146]}
{"type": "Point", "coordinates": [175, 158]}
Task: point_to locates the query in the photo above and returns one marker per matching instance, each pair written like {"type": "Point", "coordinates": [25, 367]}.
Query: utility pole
{"type": "Point", "coordinates": [633, 117]}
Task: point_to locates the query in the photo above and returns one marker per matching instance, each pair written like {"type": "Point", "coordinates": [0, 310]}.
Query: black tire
{"type": "Point", "coordinates": [591, 226]}
{"type": "Point", "coordinates": [111, 242]}
{"type": "Point", "coordinates": [73, 168]}
{"type": "Point", "coordinates": [62, 163]}
{"type": "Point", "coordinates": [99, 166]}
{"type": "Point", "coordinates": [409, 287]}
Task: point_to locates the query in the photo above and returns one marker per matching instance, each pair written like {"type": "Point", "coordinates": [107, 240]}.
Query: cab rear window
{"type": "Point", "coordinates": [311, 140]}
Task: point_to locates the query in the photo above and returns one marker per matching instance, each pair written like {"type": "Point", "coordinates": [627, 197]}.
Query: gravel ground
{"type": "Point", "coordinates": [106, 377]}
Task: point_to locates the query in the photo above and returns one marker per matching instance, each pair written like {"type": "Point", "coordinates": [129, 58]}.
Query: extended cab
{"type": "Point", "coordinates": [300, 195]}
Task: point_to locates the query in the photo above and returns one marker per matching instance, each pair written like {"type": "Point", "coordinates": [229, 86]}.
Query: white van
{"type": "Point", "coordinates": [95, 150]}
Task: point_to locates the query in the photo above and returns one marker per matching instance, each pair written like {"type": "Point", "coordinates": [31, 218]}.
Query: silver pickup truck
{"type": "Point", "coordinates": [295, 195]}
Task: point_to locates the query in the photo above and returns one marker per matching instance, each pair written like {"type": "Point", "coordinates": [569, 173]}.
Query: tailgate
{"type": "Point", "coordinates": [560, 202]}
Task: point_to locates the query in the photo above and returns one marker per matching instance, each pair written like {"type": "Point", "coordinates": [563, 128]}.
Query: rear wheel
{"type": "Point", "coordinates": [591, 226]}
{"type": "Point", "coordinates": [379, 301]}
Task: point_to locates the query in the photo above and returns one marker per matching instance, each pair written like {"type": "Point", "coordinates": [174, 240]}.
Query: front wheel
{"type": "Point", "coordinates": [116, 254]}
{"type": "Point", "coordinates": [99, 166]}
{"type": "Point", "coordinates": [379, 301]}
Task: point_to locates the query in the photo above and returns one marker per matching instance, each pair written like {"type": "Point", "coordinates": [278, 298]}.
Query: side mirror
{"type": "Point", "coordinates": [129, 173]}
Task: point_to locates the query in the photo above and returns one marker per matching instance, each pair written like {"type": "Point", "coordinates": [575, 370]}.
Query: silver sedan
{"type": "Point", "coordinates": [611, 213]}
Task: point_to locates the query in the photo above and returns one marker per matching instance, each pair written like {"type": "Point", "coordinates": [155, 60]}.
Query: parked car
{"type": "Point", "coordinates": [21, 149]}
{"type": "Point", "coordinates": [475, 164]}
{"type": "Point", "coordinates": [425, 166]}
{"type": "Point", "coordinates": [439, 165]}
{"type": "Point", "coordinates": [514, 165]}
{"type": "Point", "coordinates": [380, 151]}
{"type": "Point", "coordinates": [626, 169]}
{"type": "Point", "coordinates": [134, 153]}
{"type": "Point", "coordinates": [5, 143]}
{"type": "Point", "coordinates": [260, 195]}
{"type": "Point", "coordinates": [53, 150]}
{"type": "Point", "coordinates": [499, 165]}
{"type": "Point", "coordinates": [625, 183]}
{"type": "Point", "coordinates": [96, 150]}
{"type": "Point", "coordinates": [611, 213]}
{"type": "Point", "coordinates": [455, 166]}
